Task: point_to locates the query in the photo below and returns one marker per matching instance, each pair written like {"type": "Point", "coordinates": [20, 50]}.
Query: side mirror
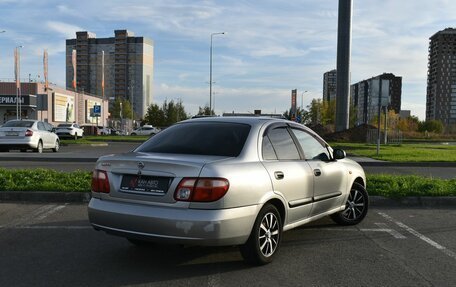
{"type": "Point", "coordinates": [339, 154]}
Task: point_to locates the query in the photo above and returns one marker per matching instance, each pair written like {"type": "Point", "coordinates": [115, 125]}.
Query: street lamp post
{"type": "Point", "coordinates": [210, 72]}
{"type": "Point", "coordinates": [17, 64]}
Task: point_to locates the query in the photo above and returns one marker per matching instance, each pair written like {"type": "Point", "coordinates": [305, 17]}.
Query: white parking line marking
{"type": "Point", "coordinates": [36, 215]}
{"type": "Point", "coordinates": [419, 235]}
{"type": "Point", "coordinates": [29, 217]}
{"type": "Point", "coordinates": [393, 232]}
{"type": "Point", "coordinates": [384, 228]}
{"type": "Point", "coordinates": [51, 211]}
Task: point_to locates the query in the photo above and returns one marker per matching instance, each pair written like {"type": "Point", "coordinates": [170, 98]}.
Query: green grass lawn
{"type": "Point", "coordinates": [79, 181]}
{"type": "Point", "coordinates": [98, 139]}
{"type": "Point", "coordinates": [394, 186]}
{"type": "Point", "coordinates": [402, 153]}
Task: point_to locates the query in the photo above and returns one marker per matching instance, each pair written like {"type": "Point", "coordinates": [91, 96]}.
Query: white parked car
{"type": "Point", "coordinates": [70, 130]}
{"type": "Point", "coordinates": [28, 134]}
{"type": "Point", "coordinates": [146, 130]}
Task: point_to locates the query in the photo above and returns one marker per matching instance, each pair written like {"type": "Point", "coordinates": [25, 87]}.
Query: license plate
{"type": "Point", "coordinates": [141, 183]}
{"type": "Point", "coordinates": [12, 134]}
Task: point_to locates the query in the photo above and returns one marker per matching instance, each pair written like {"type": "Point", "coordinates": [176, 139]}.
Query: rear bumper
{"type": "Point", "coordinates": [173, 225]}
{"type": "Point", "coordinates": [18, 143]}
{"type": "Point", "coordinates": [65, 134]}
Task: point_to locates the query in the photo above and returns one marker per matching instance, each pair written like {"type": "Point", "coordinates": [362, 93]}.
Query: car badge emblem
{"type": "Point", "coordinates": [140, 167]}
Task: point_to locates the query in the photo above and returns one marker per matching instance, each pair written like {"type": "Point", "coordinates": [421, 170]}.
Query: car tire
{"type": "Point", "coordinates": [265, 237]}
{"type": "Point", "coordinates": [39, 147]}
{"type": "Point", "coordinates": [355, 207]}
{"type": "Point", "coordinates": [56, 146]}
{"type": "Point", "coordinates": [133, 134]}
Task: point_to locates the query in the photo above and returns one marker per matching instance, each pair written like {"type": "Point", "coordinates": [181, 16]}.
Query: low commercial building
{"type": "Point", "coordinates": [53, 105]}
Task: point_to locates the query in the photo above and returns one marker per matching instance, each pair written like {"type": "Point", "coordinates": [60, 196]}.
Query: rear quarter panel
{"type": "Point", "coordinates": [249, 184]}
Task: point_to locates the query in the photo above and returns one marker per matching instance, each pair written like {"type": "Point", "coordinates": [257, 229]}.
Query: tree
{"type": "Point", "coordinates": [435, 126]}
{"type": "Point", "coordinates": [121, 109]}
{"type": "Point", "coordinates": [166, 115]}
{"type": "Point", "coordinates": [328, 112]}
{"type": "Point", "coordinates": [315, 111]}
{"type": "Point", "coordinates": [409, 124]}
{"type": "Point", "coordinates": [205, 111]}
{"type": "Point", "coordinates": [154, 116]}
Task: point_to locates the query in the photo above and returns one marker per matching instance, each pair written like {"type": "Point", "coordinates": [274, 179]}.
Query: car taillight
{"type": "Point", "coordinates": [28, 133]}
{"type": "Point", "coordinates": [201, 189]}
{"type": "Point", "coordinates": [100, 181]}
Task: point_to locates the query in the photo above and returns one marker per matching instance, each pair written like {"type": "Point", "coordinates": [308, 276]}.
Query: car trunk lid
{"type": "Point", "coordinates": [13, 132]}
{"type": "Point", "coordinates": [150, 177]}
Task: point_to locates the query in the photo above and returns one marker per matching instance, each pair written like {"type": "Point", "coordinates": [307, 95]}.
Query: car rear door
{"type": "Point", "coordinates": [291, 176]}
{"type": "Point", "coordinates": [44, 135]}
{"type": "Point", "coordinates": [329, 176]}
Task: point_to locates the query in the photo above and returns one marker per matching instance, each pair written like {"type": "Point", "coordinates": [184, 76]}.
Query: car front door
{"type": "Point", "coordinates": [44, 135]}
{"type": "Point", "coordinates": [291, 176]}
{"type": "Point", "coordinates": [330, 177]}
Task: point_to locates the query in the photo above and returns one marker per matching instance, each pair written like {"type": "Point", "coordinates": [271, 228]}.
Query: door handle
{"type": "Point", "coordinates": [279, 175]}
{"type": "Point", "coordinates": [317, 172]}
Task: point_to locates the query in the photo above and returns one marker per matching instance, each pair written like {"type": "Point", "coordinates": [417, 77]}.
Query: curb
{"type": "Point", "coordinates": [53, 159]}
{"type": "Point", "coordinates": [414, 201]}
{"type": "Point", "coordinates": [406, 164]}
{"type": "Point", "coordinates": [44, 196]}
{"type": "Point", "coordinates": [84, 197]}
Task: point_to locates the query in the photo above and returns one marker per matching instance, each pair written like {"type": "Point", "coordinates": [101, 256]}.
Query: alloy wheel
{"type": "Point", "coordinates": [269, 234]}
{"type": "Point", "coordinates": [356, 203]}
{"type": "Point", "coordinates": [39, 149]}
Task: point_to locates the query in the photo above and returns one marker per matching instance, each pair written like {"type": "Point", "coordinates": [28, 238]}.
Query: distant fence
{"type": "Point", "coordinates": [392, 137]}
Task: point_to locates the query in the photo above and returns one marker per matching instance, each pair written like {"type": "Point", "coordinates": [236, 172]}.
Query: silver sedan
{"type": "Point", "coordinates": [28, 134]}
{"type": "Point", "coordinates": [226, 181]}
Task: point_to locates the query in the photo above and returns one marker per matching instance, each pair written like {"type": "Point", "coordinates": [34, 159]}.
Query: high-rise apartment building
{"type": "Point", "coordinates": [329, 85]}
{"type": "Point", "coordinates": [366, 96]}
{"type": "Point", "coordinates": [128, 67]}
{"type": "Point", "coordinates": [441, 82]}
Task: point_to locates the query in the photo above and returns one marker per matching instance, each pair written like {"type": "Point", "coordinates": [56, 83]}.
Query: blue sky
{"type": "Point", "coordinates": [270, 47]}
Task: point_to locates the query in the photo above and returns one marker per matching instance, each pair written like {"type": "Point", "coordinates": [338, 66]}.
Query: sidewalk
{"type": "Point", "coordinates": [366, 161]}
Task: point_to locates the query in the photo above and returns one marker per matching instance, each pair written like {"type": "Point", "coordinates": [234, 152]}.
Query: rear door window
{"type": "Point", "coordinates": [283, 144]}
{"type": "Point", "coordinates": [41, 126]}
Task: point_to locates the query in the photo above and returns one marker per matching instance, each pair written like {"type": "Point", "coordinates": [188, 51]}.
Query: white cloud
{"type": "Point", "coordinates": [66, 30]}
{"type": "Point", "coordinates": [270, 47]}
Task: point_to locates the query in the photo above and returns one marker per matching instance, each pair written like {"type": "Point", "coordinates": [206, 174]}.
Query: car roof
{"type": "Point", "coordinates": [253, 121]}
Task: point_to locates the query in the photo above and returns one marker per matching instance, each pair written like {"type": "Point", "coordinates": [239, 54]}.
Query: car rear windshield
{"type": "Point", "coordinates": [64, 126]}
{"type": "Point", "coordinates": [18, 124]}
{"type": "Point", "coordinates": [200, 138]}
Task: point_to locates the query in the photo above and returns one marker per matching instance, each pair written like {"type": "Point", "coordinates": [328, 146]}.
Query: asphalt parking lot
{"type": "Point", "coordinates": [52, 244]}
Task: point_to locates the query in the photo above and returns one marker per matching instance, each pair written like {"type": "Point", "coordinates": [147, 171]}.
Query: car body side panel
{"type": "Point", "coordinates": [329, 186]}
{"type": "Point", "coordinates": [296, 186]}
{"type": "Point", "coordinates": [248, 183]}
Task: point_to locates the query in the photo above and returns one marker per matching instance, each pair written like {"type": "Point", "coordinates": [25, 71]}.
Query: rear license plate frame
{"type": "Point", "coordinates": [144, 184]}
